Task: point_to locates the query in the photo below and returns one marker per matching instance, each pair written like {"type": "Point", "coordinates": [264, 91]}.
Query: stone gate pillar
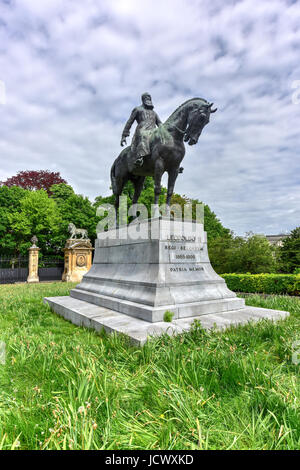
{"type": "Point", "coordinates": [33, 264]}
{"type": "Point", "coordinates": [78, 259]}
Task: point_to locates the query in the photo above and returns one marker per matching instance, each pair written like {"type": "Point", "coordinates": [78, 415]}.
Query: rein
{"type": "Point", "coordinates": [179, 130]}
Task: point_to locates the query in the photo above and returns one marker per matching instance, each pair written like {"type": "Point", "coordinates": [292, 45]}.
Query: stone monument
{"type": "Point", "coordinates": [165, 268]}
{"type": "Point", "coordinates": [33, 261]}
{"type": "Point", "coordinates": [133, 282]}
{"type": "Point", "coordinates": [78, 255]}
{"type": "Point", "coordinates": [154, 276]}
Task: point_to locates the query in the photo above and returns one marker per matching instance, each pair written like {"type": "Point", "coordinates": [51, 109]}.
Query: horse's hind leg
{"type": "Point", "coordinates": [120, 185]}
{"type": "Point", "coordinates": [119, 177]}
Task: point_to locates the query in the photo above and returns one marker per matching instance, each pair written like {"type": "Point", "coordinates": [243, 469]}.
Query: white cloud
{"type": "Point", "coordinates": [73, 71]}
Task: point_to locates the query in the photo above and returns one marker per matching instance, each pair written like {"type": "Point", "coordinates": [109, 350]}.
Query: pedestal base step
{"type": "Point", "coordinates": [156, 314]}
{"type": "Point", "coordinates": [89, 315]}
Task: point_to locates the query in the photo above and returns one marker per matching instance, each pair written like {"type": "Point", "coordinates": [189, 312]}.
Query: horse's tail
{"type": "Point", "coordinates": [118, 170]}
{"type": "Point", "coordinates": [113, 178]}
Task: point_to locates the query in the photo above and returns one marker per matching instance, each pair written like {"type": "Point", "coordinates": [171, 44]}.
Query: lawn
{"type": "Point", "coordinates": [65, 387]}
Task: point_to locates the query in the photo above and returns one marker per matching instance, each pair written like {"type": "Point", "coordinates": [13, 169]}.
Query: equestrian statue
{"type": "Point", "coordinates": [157, 147]}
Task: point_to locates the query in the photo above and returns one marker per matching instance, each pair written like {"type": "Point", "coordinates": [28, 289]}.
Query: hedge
{"type": "Point", "coordinates": [264, 283]}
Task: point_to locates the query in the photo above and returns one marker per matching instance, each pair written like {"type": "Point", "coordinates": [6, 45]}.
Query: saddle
{"type": "Point", "coordinates": [160, 135]}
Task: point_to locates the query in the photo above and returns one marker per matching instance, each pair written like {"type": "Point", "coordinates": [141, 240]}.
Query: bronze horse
{"type": "Point", "coordinates": [167, 151]}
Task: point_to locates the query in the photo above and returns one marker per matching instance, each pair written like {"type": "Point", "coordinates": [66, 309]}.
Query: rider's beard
{"type": "Point", "coordinates": [148, 104]}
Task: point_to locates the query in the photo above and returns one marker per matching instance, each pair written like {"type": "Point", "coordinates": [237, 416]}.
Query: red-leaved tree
{"type": "Point", "coordinates": [31, 179]}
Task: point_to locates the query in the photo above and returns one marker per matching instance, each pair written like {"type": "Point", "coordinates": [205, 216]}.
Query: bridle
{"type": "Point", "coordinates": [183, 132]}
{"type": "Point", "coordinates": [179, 130]}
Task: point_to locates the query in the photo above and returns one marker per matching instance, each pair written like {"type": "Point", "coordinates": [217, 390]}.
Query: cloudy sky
{"type": "Point", "coordinates": [73, 70]}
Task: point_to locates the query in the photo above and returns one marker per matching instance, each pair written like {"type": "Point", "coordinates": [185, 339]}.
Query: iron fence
{"type": "Point", "coordinates": [51, 269]}
{"type": "Point", "coordinates": [13, 270]}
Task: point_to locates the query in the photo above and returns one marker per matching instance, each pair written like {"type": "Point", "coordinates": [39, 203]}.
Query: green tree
{"type": "Point", "coordinates": [289, 252]}
{"type": "Point", "coordinates": [74, 208]}
{"type": "Point", "coordinates": [252, 254]}
{"type": "Point", "coordinates": [212, 224]}
{"type": "Point", "coordinates": [257, 255]}
{"type": "Point", "coordinates": [220, 250]}
{"type": "Point", "coordinates": [10, 204]}
{"type": "Point", "coordinates": [61, 191]}
{"type": "Point", "coordinates": [38, 216]}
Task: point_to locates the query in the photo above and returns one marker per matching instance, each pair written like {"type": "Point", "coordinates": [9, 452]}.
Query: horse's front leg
{"type": "Point", "coordinates": [117, 203]}
{"type": "Point", "coordinates": [158, 172]}
{"type": "Point", "coordinates": [171, 183]}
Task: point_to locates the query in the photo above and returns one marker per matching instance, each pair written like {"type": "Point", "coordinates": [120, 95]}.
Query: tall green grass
{"type": "Point", "coordinates": [65, 387]}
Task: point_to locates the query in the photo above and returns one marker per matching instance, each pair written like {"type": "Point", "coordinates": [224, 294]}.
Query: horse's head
{"type": "Point", "coordinates": [71, 227]}
{"type": "Point", "coordinates": [198, 118]}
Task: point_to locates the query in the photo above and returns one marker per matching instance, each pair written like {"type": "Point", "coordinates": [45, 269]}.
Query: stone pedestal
{"type": "Point", "coordinates": [157, 266]}
{"type": "Point", "coordinates": [140, 273]}
{"type": "Point", "coordinates": [78, 259]}
{"type": "Point", "coordinates": [33, 264]}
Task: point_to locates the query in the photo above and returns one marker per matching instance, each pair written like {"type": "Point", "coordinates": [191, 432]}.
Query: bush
{"type": "Point", "coordinates": [264, 283]}
{"type": "Point", "coordinates": [252, 254]}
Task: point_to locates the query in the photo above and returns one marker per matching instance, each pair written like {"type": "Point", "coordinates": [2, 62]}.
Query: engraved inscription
{"type": "Point", "coordinates": [184, 253]}
{"type": "Point", "coordinates": [174, 238]}
{"type": "Point", "coordinates": [188, 257]}
{"type": "Point", "coordinates": [184, 247]}
{"type": "Point", "coordinates": [177, 269]}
